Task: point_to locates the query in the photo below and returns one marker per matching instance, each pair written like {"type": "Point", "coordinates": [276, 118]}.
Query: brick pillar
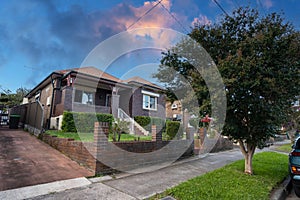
{"type": "Point", "coordinates": [156, 136]}
{"type": "Point", "coordinates": [190, 133]}
{"type": "Point", "coordinates": [100, 136]}
{"type": "Point", "coordinates": [202, 134]}
{"type": "Point", "coordinates": [153, 132]}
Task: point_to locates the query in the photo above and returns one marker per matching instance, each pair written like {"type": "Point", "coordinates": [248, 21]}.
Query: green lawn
{"type": "Point", "coordinates": [89, 137]}
{"type": "Point", "coordinates": [285, 148]}
{"type": "Point", "coordinates": [229, 182]}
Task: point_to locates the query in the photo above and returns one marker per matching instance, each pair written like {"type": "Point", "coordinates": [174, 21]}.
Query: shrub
{"type": "Point", "coordinates": [84, 121]}
{"type": "Point", "coordinates": [119, 127]}
{"type": "Point", "coordinates": [173, 129]}
{"type": "Point", "coordinates": [142, 120]}
{"type": "Point", "coordinates": [68, 124]}
{"type": "Point", "coordinates": [146, 122]}
{"type": "Point", "coordinates": [159, 122]}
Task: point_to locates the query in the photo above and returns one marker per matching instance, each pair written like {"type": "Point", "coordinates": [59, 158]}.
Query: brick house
{"type": "Point", "coordinates": [174, 110]}
{"type": "Point", "coordinates": [89, 89]}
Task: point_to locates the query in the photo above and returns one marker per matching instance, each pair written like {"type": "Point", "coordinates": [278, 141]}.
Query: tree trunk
{"type": "Point", "coordinates": [248, 163]}
{"type": "Point", "coordinates": [248, 155]}
{"type": "Point", "coordinates": [119, 137]}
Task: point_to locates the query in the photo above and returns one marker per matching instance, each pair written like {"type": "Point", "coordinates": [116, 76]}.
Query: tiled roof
{"type": "Point", "coordinates": [92, 71]}
{"type": "Point", "coordinates": [140, 80]}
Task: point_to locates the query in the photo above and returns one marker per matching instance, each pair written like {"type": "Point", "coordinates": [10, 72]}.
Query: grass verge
{"type": "Point", "coordinates": [285, 148]}
{"type": "Point", "coordinates": [89, 137]}
{"type": "Point", "coordinates": [229, 182]}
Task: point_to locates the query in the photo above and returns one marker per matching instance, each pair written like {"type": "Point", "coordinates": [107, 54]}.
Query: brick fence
{"type": "Point", "coordinates": [81, 152]}
{"type": "Point", "coordinates": [122, 156]}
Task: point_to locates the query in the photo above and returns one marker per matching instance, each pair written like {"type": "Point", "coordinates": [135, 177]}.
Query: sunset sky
{"type": "Point", "coordinates": [38, 37]}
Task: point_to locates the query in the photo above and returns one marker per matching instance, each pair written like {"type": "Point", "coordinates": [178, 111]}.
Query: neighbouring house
{"type": "Point", "coordinates": [89, 89]}
{"type": "Point", "coordinates": [174, 110]}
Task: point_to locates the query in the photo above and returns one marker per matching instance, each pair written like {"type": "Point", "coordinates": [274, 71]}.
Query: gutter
{"type": "Point", "coordinates": [31, 92]}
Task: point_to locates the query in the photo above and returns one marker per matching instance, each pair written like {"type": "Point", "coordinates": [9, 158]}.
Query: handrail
{"type": "Point", "coordinates": [141, 128]}
{"type": "Point", "coordinates": [123, 115]}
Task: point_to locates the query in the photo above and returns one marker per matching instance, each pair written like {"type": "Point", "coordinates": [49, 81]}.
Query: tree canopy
{"type": "Point", "coordinates": [8, 99]}
{"type": "Point", "coordinates": [258, 58]}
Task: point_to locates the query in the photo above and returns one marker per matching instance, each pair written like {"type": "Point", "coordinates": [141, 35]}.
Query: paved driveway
{"type": "Point", "coordinates": [25, 161]}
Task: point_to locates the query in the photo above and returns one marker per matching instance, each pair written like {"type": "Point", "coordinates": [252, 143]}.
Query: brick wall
{"type": "Point", "coordinates": [127, 156]}
{"type": "Point", "coordinates": [76, 150]}
{"type": "Point", "coordinates": [120, 156]}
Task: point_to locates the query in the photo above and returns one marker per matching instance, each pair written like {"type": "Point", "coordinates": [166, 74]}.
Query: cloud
{"type": "Point", "coordinates": [201, 20]}
{"type": "Point", "coordinates": [266, 3]}
{"type": "Point", "coordinates": [134, 17]}
{"type": "Point", "coordinates": [47, 36]}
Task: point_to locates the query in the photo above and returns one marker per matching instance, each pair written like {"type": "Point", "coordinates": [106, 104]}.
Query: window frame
{"type": "Point", "coordinates": [81, 96]}
{"type": "Point", "coordinates": [147, 99]}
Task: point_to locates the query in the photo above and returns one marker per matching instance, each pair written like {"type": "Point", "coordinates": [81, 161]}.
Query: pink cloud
{"type": "Point", "coordinates": [202, 20]}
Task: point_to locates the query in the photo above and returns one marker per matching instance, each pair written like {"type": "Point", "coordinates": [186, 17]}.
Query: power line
{"type": "Point", "coordinates": [154, 6]}
{"type": "Point", "coordinates": [144, 14]}
{"type": "Point", "coordinates": [221, 7]}
{"type": "Point", "coordinates": [237, 4]}
{"type": "Point", "coordinates": [180, 24]}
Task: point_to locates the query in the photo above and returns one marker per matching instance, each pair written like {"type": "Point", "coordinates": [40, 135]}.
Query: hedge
{"type": "Point", "coordinates": [142, 120]}
{"type": "Point", "coordinates": [84, 121]}
{"type": "Point", "coordinates": [146, 122]}
{"type": "Point", "coordinates": [173, 129]}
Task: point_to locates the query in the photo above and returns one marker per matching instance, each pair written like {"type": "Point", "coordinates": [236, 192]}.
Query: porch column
{"type": "Point", "coordinates": [115, 101]}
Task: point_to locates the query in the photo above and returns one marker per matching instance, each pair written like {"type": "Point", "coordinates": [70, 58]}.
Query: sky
{"type": "Point", "coordinates": [38, 37]}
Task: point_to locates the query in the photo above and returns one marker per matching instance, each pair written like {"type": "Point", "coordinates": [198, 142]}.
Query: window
{"type": "Point", "coordinates": [149, 102]}
{"type": "Point", "coordinates": [84, 97]}
{"type": "Point", "coordinates": [174, 106]}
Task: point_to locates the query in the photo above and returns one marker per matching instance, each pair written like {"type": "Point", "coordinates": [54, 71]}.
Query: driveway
{"type": "Point", "coordinates": [25, 161]}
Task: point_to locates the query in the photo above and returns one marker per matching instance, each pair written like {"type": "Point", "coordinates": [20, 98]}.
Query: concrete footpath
{"type": "Point", "coordinates": [128, 186]}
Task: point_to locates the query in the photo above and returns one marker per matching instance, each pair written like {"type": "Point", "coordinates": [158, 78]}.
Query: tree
{"type": "Point", "coordinates": [9, 100]}
{"type": "Point", "coordinates": [258, 58]}
{"type": "Point", "coordinates": [119, 127]}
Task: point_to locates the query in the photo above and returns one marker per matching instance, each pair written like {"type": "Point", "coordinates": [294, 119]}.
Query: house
{"type": "Point", "coordinates": [174, 110]}
{"type": "Point", "coordinates": [89, 89]}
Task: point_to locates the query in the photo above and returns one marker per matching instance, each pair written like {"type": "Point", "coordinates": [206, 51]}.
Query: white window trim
{"type": "Point", "coordinates": [155, 97]}
{"type": "Point", "coordinates": [150, 93]}
{"type": "Point", "coordinates": [174, 106]}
